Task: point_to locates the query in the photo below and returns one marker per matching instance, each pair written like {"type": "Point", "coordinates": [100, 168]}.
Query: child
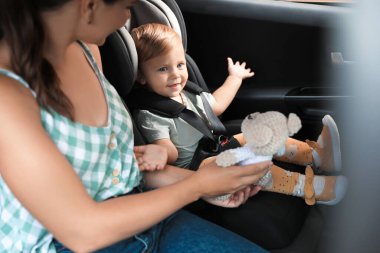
{"type": "Point", "coordinates": [162, 69]}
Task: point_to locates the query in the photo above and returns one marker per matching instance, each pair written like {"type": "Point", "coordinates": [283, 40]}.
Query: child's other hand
{"type": "Point", "coordinates": [151, 157]}
{"type": "Point", "coordinates": [238, 69]}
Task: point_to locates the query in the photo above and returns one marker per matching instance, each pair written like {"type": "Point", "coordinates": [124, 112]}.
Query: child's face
{"type": "Point", "coordinates": [166, 74]}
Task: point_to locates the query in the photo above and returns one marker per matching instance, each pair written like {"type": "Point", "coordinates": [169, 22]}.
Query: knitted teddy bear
{"type": "Point", "coordinates": [265, 135]}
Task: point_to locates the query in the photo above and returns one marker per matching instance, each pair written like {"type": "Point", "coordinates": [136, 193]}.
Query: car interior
{"type": "Point", "coordinates": [289, 48]}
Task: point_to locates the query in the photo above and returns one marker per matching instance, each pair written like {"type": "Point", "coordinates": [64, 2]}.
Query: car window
{"type": "Point", "coordinates": [324, 2]}
{"type": "Point", "coordinates": [320, 1]}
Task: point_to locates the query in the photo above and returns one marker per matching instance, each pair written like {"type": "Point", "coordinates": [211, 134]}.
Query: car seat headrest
{"type": "Point", "coordinates": [131, 49]}
{"type": "Point", "coordinates": [157, 11]}
{"type": "Point", "coordinates": [119, 58]}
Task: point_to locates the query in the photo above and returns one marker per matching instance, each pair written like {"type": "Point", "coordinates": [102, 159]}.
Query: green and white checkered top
{"type": "Point", "coordinates": [101, 156]}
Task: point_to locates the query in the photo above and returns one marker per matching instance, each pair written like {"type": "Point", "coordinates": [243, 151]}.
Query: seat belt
{"type": "Point", "coordinates": [144, 99]}
{"type": "Point", "coordinates": [197, 122]}
{"type": "Point", "coordinates": [215, 122]}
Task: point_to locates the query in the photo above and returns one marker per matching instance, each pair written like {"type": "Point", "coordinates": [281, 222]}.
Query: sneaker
{"type": "Point", "coordinates": [324, 190]}
{"type": "Point", "coordinates": [326, 151]}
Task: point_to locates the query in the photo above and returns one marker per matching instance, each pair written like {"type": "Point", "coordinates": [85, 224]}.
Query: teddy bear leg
{"type": "Point", "coordinates": [327, 190]}
{"type": "Point", "coordinates": [282, 181]}
{"type": "Point", "coordinates": [296, 152]}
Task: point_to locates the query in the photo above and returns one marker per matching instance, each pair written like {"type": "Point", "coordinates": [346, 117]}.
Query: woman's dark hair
{"type": "Point", "coordinates": [22, 29]}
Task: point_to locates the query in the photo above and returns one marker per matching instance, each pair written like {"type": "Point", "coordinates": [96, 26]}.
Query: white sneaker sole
{"type": "Point", "coordinates": [340, 191]}
{"type": "Point", "coordinates": [335, 141]}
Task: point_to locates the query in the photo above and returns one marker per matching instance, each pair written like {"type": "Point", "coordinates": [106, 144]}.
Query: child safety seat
{"type": "Point", "coordinates": [268, 219]}
{"type": "Point", "coordinates": [119, 61]}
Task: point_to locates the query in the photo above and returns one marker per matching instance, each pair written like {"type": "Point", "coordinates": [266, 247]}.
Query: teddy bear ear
{"type": "Point", "coordinates": [294, 124]}
{"type": "Point", "coordinates": [260, 136]}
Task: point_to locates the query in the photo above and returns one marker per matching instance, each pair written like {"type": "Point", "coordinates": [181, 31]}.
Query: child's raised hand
{"type": "Point", "coordinates": [238, 69]}
{"type": "Point", "coordinates": [151, 157]}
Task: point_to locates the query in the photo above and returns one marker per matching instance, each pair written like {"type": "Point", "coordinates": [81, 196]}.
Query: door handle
{"type": "Point", "coordinates": [337, 59]}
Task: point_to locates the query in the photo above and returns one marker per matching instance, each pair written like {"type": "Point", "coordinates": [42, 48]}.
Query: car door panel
{"type": "Point", "coordinates": [287, 45]}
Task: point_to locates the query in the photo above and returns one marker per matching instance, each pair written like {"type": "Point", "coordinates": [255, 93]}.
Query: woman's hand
{"type": "Point", "coordinates": [236, 199]}
{"type": "Point", "coordinates": [151, 157]}
{"type": "Point", "coordinates": [212, 180]}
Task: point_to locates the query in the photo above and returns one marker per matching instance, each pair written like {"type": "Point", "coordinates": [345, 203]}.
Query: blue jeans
{"type": "Point", "coordinates": [182, 232]}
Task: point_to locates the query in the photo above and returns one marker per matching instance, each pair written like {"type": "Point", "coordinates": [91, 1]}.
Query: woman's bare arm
{"type": "Point", "coordinates": [45, 183]}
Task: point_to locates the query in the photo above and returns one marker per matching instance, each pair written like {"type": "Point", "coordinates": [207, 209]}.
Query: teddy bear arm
{"type": "Point", "coordinates": [232, 156]}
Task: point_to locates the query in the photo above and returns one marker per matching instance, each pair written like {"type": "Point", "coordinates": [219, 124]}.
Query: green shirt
{"type": "Point", "coordinates": [102, 157]}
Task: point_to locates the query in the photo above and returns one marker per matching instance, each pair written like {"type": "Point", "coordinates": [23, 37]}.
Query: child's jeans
{"type": "Point", "coordinates": [182, 232]}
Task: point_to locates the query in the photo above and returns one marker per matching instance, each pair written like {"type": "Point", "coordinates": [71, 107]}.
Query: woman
{"type": "Point", "coordinates": [69, 178]}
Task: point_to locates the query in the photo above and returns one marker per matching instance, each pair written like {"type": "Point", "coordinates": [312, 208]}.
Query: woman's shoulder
{"type": "Point", "coordinates": [19, 110]}
{"type": "Point", "coordinates": [13, 89]}
{"type": "Point", "coordinates": [14, 95]}
{"type": "Point", "coordinates": [93, 50]}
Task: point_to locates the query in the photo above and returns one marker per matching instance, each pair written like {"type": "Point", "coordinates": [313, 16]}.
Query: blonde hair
{"type": "Point", "coordinates": [153, 40]}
